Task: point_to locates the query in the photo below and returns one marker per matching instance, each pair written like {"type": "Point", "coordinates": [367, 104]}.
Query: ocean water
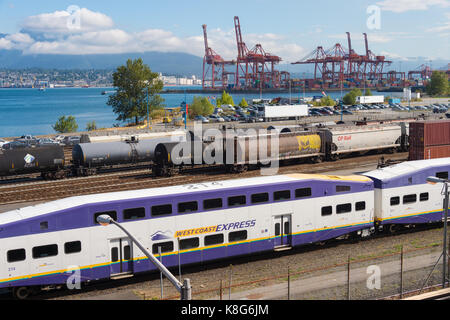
{"type": "Point", "coordinates": [30, 111]}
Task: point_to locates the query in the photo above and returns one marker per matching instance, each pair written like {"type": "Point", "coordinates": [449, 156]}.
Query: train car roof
{"type": "Point", "coordinates": [408, 173]}
{"type": "Point", "coordinates": [72, 202]}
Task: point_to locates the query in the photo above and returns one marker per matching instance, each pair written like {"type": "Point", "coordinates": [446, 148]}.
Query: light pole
{"type": "Point", "coordinates": [183, 288]}
{"type": "Point", "coordinates": [435, 180]}
{"type": "Point", "coordinates": [148, 113]}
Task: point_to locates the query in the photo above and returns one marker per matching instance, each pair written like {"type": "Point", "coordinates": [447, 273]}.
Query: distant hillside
{"type": "Point", "coordinates": [173, 63]}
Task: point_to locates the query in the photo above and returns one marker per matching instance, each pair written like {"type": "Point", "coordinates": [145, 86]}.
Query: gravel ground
{"type": "Point", "coordinates": [208, 277]}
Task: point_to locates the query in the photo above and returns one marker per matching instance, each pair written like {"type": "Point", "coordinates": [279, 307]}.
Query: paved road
{"type": "Point", "coordinates": [332, 280]}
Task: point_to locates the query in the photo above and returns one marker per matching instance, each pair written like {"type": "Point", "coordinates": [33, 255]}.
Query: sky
{"type": "Point", "coordinates": [398, 29]}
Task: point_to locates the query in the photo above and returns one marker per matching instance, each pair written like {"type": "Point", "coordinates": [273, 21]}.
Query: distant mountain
{"type": "Point", "coordinates": [173, 63]}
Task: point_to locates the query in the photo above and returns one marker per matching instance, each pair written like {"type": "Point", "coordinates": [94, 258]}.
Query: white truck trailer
{"type": "Point", "coordinates": [283, 112]}
{"type": "Point", "coordinates": [370, 99]}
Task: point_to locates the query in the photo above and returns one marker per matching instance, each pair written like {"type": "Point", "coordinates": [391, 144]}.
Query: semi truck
{"type": "Point", "coordinates": [283, 112]}
{"type": "Point", "coordinates": [370, 99]}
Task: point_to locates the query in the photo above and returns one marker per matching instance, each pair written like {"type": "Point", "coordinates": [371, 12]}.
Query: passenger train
{"type": "Point", "coordinates": [45, 245]}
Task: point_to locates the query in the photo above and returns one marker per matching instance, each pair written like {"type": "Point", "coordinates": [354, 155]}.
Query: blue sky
{"type": "Point", "coordinates": [288, 28]}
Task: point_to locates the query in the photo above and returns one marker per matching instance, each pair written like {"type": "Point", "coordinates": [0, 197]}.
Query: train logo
{"type": "Point", "coordinates": [29, 159]}
{"type": "Point", "coordinates": [310, 142]}
{"type": "Point", "coordinates": [160, 235]}
{"type": "Point", "coordinates": [344, 138]}
{"type": "Point", "coordinates": [217, 228]}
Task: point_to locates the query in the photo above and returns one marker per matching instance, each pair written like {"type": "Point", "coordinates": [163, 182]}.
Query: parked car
{"type": "Point", "coordinates": [15, 145]}
{"type": "Point", "coordinates": [46, 141]}
{"type": "Point", "coordinates": [2, 142]}
{"type": "Point", "coordinates": [27, 139]}
{"type": "Point", "coordinates": [202, 119]}
{"type": "Point", "coordinates": [71, 140]}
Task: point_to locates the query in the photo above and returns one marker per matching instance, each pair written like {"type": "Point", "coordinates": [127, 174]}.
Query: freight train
{"type": "Point", "coordinates": [61, 242]}
{"type": "Point", "coordinates": [237, 153]}
{"type": "Point", "coordinates": [168, 154]}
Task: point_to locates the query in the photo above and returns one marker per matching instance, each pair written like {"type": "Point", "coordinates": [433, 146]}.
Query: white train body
{"type": "Point", "coordinates": [60, 242]}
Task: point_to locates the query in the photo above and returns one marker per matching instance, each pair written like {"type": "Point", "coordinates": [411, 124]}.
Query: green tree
{"type": "Point", "coordinates": [200, 107]}
{"type": "Point", "coordinates": [368, 93]}
{"type": "Point", "coordinates": [225, 99]}
{"type": "Point", "coordinates": [438, 85]}
{"type": "Point", "coordinates": [66, 125]}
{"type": "Point", "coordinates": [91, 126]}
{"type": "Point", "coordinates": [134, 83]}
{"type": "Point", "coordinates": [350, 98]}
{"type": "Point", "coordinates": [243, 103]}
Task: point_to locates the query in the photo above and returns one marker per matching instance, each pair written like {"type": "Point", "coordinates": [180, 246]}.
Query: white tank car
{"type": "Point", "coordinates": [139, 136]}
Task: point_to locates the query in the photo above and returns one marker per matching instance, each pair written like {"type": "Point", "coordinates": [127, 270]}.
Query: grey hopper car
{"type": "Point", "coordinates": [49, 160]}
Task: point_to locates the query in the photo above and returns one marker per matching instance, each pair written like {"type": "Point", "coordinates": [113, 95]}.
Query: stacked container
{"type": "Point", "coordinates": [429, 140]}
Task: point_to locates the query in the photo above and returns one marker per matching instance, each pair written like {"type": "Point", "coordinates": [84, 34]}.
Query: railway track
{"type": "Point", "coordinates": [142, 179]}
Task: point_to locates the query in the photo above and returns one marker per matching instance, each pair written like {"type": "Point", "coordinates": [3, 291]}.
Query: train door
{"type": "Point", "coordinates": [282, 231]}
{"type": "Point", "coordinates": [121, 256]}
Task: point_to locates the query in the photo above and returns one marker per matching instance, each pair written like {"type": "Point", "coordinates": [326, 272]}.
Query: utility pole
{"type": "Point", "coordinates": [184, 288]}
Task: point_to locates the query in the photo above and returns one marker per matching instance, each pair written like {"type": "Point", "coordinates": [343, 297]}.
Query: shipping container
{"type": "Point", "coordinates": [427, 153]}
{"type": "Point", "coordinates": [429, 133]}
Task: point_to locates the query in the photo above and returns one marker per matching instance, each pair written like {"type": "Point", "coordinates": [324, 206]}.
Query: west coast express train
{"type": "Point", "coordinates": [42, 245]}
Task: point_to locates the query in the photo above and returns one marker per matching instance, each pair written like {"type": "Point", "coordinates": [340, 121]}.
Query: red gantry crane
{"type": "Point", "coordinates": [255, 68]}
{"type": "Point", "coordinates": [214, 74]}
{"type": "Point", "coordinates": [335, 65]}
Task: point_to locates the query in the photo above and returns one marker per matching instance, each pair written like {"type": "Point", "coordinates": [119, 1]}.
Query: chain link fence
{"type": "Point", "coordinates": [392, 275]}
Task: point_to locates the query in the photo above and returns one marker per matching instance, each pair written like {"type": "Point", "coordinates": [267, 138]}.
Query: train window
{"type": "Point", "coordinates": [303, 193]}
{"type": "Point", "coordinates": [213, 204]}
{"type": "Point", "coordinates": [127, 253]}
{"type": "Point", "coordinates": [282, 195]}
{"type": "Point", "coordinates": [442, 175]}
{"type": "Point", "coordinates": [112, 214]}
{"type": "Point", "coordinates": [360, 206]}
{"type": "Point", "coordinates": [327, 211]}
{"type": "Point", "coordinates": [237, 236]}
{"type": "Point", "coordinates": [424, 197]}
{"type": "Point", "coordinates": [114, 254]}
{"type": "Point", "coordinates": [162, 210]}
{"type": "Point", "coordinates": [214, 239]}
{"type": "Point", "coordinates": [134, 214]}
{"type": "Point", "coordinates": [16, 255]}
{"type": "Point", "coordinates": [237, 201]}
{"type": "Point", "coordinates": [395, 201]}
{"type": "Point", "coordinates": [45, 251]}
{"type": "Point", "coordinates": [165, 247]}
{"type": "Point", "coordinates": [72, 247]}
{"type": "Point", "coordinates": [343, 188]}
{"type": "Point", "coordinates": [185, 207]}
{"type": "Point", "coordinates": [344, 208]}
{"type": "Point", "coordinates": [189, 243]}
{"type": "Point", "coordinates": [260, 198]}
{"type": "Point", "coordinates": [411, 198]}
{"type": "Point", "coordinates": [44, 225]}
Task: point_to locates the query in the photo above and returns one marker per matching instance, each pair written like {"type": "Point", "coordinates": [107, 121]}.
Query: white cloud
{"type": "Point", "coordinates": [48, 33]}
{"type": "Point", "coordinates": [59, 22]}
{"type": "Point", "coordinates": [5, 44]}
{"type": "Point", "coordinates": [394, 56]}
{"type": "Point", "coordinates": [410, 5]}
